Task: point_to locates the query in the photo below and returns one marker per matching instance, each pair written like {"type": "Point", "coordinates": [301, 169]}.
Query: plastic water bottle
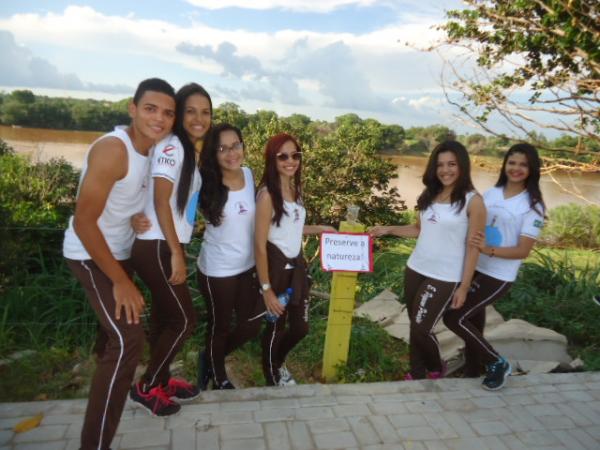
{"type": "Point", "coordinates": [284, 298]}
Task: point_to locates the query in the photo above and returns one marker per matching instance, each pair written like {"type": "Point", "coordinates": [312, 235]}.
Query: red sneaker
{"type": "Point", "coordinates": [181, 389]}
{"type": "Point", "coordinates": [155, 401]}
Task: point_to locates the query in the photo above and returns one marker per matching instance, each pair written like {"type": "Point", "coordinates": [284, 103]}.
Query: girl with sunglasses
{"type": "Point", "coordinates": [515, 218]}
{"type": "Point", "coordinates": [280, 217]}
{"type": "Point", "coordinates": [439, 271]}
{"type": "Point", "coordinates": [226, 274]}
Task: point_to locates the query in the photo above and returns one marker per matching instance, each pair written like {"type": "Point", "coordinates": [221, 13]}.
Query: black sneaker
{"type": "Point", "coordinates": [224, 385]}
{"type": "Point", "coordinates": [205, 372]}
{"type": "Point", "coordinates": [156, 401]}
{"type": "Point", "coordinates": [496, 375]}
{"type": "Point", "coordinates": [181, 389]}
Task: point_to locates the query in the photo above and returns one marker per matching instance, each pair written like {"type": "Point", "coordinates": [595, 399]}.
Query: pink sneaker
{"type": "Point", "coordinates": [437, 375]}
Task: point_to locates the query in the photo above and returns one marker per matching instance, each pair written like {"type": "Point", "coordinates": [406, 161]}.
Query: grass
{"type": "Point", "coordinates": [45, 310]}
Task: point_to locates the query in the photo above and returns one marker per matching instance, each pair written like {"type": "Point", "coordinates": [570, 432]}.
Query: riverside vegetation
{"type": "Point", "coordinates": [42, 308]}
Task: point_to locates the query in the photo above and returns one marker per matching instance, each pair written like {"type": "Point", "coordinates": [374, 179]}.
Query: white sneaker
{"type": "Point", "coordinates": [285, 377]}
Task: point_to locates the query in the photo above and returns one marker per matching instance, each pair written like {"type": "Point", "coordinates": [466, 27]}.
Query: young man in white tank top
{"type": "Point", "coordinates": [98, 244]}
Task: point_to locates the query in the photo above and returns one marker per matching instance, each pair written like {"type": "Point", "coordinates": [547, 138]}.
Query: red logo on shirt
{"type": "Point", "coordinates": [168, 150]}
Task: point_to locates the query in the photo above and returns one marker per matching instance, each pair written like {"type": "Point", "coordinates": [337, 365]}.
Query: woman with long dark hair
{"type": "Point", "coordinates": [515, 218]}
{"type": "Point", "coordinates": [439, 271]}
{"type": "Point", "coordinates": [280, 265]}
{"type": "Point", "coordinates": [226, 274]}
{"type": "Point", "coordinates": [158, 254]}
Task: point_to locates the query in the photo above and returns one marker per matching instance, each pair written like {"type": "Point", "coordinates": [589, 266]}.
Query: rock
{"type": "Point", "coordinates": [531, 349]}
{"type": "Point", "coordinates": [382, 309]}
{"type": "Point", "coordinates": [519, 340]}
{"type": "Point", "coordinates": [577, 364]}
{"type": "Point", "coordinates": [526, 366]}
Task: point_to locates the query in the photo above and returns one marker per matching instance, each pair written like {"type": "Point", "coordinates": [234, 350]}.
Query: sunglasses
{"type": "Point", "coordinates": [296, 156]}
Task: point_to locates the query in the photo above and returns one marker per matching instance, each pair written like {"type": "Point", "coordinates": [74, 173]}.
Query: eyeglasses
{"type": "Point", "coordinates": [237, 147]}
{"type": "Point", "coordinates": [296, 156]}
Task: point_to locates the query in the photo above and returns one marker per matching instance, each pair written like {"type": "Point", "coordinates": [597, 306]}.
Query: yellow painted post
{"type": "Point", "coordinates": [341, 309]}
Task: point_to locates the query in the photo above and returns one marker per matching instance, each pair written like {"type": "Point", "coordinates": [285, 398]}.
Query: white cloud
{"type": "Point", "coordinates": [426, 102]}
{"type": "Point", "coordinates": [319, 6]}
{"type": "Point", "coordinates": [22, 68]}
{"type": "Point", "coordinates": [362, 72]}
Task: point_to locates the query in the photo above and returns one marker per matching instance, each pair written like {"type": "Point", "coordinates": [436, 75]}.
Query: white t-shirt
{"type": "Point", "coordinates": [228, 249]}
{"type": "Point", "coordinates": [126, 198]}
{"type": "Point", "coordinates": [288, 235]}
{"type": "Point", "coordinates": [167, 162]}
{"type": "Point", "coordinates": [441, 246]}
{"type": "Point", "coordinates": [507, 220]}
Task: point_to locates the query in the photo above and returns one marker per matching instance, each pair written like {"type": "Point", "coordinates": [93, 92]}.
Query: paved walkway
{"type": "Point", "coordinates": [536, 411]}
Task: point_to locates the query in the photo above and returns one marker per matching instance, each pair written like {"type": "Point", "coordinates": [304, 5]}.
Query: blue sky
{"type": "Point", "coordinates": [322, 58]}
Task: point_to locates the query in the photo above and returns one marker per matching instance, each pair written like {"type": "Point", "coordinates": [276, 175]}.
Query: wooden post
{"type": "Point", "coordinates": [341, 309]}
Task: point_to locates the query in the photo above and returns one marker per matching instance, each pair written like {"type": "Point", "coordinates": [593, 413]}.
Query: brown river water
{"type": "Point", "coordinates": [581, 188]}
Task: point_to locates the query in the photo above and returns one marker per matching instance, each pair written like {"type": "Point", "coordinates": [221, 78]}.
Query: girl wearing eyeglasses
{"type": "Point", "coordinates": [226, 262]}
{"type": "Point", "coordinates": [280, 217]}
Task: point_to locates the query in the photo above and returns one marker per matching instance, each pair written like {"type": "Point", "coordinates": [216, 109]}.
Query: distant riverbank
{"type": "Point", "coordinates": [43, 145]}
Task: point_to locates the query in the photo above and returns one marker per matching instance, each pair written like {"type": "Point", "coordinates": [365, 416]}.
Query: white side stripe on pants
{"type": "Point", "coordinates": [212, 331]}
{"type": "Point", "coordinates": [462, 318]}
{"type": "Point", "coordinates": [114, 376]}
{"type": "Point", "coordinates": [164, 275]}
{"type": "Point", "coordinates": [437, 319]}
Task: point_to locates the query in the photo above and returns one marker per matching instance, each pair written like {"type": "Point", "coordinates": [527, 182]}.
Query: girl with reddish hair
{"type": "Point", "coordinates": [280, 217]}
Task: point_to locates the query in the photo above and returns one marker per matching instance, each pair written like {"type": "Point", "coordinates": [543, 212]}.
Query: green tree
{"type": "Point", "coordinates": [548, 48]}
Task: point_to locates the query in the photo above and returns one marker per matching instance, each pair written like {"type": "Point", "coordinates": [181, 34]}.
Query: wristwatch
{"type": "Point", "coordinates": [265, 287]}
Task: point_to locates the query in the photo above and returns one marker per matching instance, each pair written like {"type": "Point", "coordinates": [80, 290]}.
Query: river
{"type": "Point", "coordinates": [581, 185]}
{"type": "Point", "coordinates": [576, 187]}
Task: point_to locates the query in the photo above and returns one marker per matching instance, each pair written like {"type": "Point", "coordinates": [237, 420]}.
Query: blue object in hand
{"type": "Point", "coordinates": [493, 237]}
{"type": "Point", "coordinates": [284, 298]}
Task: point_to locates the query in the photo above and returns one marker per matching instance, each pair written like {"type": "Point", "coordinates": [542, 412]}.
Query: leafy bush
{"type": "Point", "coordinates": [573, 225]}
{"type": "Point", "coordinates": [35, 203]}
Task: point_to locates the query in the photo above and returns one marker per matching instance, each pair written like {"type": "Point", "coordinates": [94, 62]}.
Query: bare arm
{"type": "Point", "coordinates": [520, 251]}
{"type": "Point", "coordinates": [162, 194]}
{"type": "Point", "coordinates": [318, 229]}
{"type": "Point", "coordinates": [407, 231]}
{"type": "Point", "coordinates": [477, 214]}
{"type": "Point", "coordinates": [107, 163]}
{"type": "Point", "coordinates": [264, 213]}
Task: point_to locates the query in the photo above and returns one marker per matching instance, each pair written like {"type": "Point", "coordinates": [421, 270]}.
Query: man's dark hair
{"type": "Point", "coordinates": [155, 85]}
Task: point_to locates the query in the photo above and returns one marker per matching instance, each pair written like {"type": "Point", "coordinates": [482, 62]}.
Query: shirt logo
{"type": "Point", "coordinates": [432, 218]}
{"type": "Point", "coordinates": [242, 208]}
{"type": "Point", "coordinates": [168, 150]}
{"type": "Point", "coordinates": [538, 223]}
{"type": "Point", "coordinates": [296, 215]}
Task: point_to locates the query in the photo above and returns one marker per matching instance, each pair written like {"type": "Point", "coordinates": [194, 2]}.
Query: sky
{"type": "Point", "coordinates": [321, 58]}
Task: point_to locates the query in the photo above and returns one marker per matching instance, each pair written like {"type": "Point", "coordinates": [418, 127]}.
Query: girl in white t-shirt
{"type": "Point", "coordinates": [158, 255]}
{"type": "Point", "coordinates": [440, 268]}
{"type": "Point", "coordinates": [280, 217]}
{"type": "Point", "coordinates": [226, 274]}
{"type": "Point", "coordinates": [514, 221]}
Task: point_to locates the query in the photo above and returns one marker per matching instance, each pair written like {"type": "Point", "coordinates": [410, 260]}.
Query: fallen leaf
{"type": "Point", "coordinates": [28, 424]}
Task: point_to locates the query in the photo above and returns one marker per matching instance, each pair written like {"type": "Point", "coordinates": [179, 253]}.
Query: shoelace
{"type": "Point", "coordinates": [285, 374]}
{"type": "Point", "coordinates": [161, 396]}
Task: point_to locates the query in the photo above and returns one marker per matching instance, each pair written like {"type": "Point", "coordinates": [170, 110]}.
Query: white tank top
{"type": "Point", "coordinates": [228, 249]}
{"type": "Point", "coordinates": [167, 162]}
{"type": "Point", "coordinates": [288, 235]}
{"type": "Point", "coordinates": [124, 200]}
{"type": "Point", "coordinates": [441, 246]}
